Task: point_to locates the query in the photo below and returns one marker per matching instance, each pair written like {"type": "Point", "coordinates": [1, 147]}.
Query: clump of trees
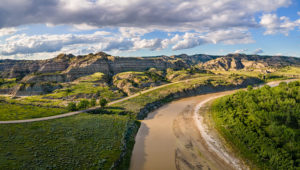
{"type": "Point", "coordinates": [263, 124]}
{"type": "Point", "coordinates": [83, 104]}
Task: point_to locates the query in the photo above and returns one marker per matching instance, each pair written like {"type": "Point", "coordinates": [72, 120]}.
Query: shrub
{"type": "Point", "coordinates": [83, 104]}
{"type": "Point", "coordinates": [72, 106]}
{"type": "Point", "coordinates": [249, 88]}
{"type": "Point", "coordinates": [103, 102]}
{"type": "Point", "coordinates": [93, 102]}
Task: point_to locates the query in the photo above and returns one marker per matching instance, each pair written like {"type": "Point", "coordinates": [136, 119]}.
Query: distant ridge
{"type": "Point", "coordinates": [72, 67]}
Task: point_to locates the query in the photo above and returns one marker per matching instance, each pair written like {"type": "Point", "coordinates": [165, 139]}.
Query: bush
{"type": "Point", "coordinates": [83, 104]}
{"type": "Point", "coordinates": [249, 88]}
{"type": "Point", "coordinates": [72, 106]}
{"type": "Point", "coordinates": [103, 102]}
{"type": "Point", "coordinates": [93, 102]}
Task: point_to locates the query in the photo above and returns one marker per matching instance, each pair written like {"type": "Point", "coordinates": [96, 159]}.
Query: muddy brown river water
{"type": "Point", "coordinates": [169, 139]}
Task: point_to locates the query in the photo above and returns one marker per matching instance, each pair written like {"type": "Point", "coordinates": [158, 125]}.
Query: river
{"type": "Point", "coordinates": [169, 139]}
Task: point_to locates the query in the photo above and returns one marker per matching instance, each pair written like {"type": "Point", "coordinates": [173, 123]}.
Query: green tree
{"type": "Point", "coordinates": [103, 102]}
{"type": "Point", "coordinates": [98, 93]}
{"type": "Point", "coordinates": [93, 102]}
{"type": "Point", "coordinates": [83, 104]}
{"type": "Point", "coordinates": [72, 106]}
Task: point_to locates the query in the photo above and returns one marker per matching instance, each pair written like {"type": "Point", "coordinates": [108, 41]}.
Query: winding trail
{"type": "Point", "coordinates": [90, 109]}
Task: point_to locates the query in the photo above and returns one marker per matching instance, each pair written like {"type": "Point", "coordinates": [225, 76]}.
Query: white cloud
{"type": "Point", "coordinates": [7, 31]}
{"type": "Point", "coordinates": [189, 40]}
{"type": "Point", "coordinates": [240, 51]}
{"type": "Point", "coordinates": [84, 26]}
{"type": "Point", "coordinates": [197, 21]}
{"type": "Point", "coordinates": [23, 44]}
{"type": "Point", "coordinates": [184, 15]}
{"type": "Point", "coordinates": [298, 13]}
{"type": "Point", "coordinates": [230, 36]}
{"type": "Point", "coordinates": [274, 24]}
{"type": "Point", "coordinates": [124, 40]}
{"type": "Point", "coordinates": [258, 51]}
{"type": "Point", "coordinates": [133, 32]}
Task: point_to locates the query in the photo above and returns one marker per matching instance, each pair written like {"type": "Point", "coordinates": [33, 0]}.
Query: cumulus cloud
{"type": "Point", "coordinates": [258, 51]}
{"type": "Point", "coordinates": [23, 44]}
{"type": "Point", "coordinates": [188, 23]}
{"type": "Point", "coordinates": [240, 51]}
{"type": "Point", "coordinates": [83, 26]}
{"type": "Point", "coordinates": [124, 40]}
{"type": "Point", "coordinates": [231, 36]}
{"type": "Point", "coordinates": [192, 14]}
{"type": "Point", "coordinates": [274, 24]}
{"type": "Point", "coordinates": [98, 41]}
{"type": "Point", "coordinates": [7, 31]}
{"type": "Point", "coordinates": [189, 40]}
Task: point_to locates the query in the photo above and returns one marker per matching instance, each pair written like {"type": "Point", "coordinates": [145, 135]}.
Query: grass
{"type": "Point", "coordinates": [17, 112]}
{"type": "Point", "coordinates": [92, 78]}
{"type": "Point", "coordinates": [280, 74]}
{"type": "Point", "coordinates": [84, 141]}
{"type": "Point", "coordinates": [7, 83]}
{"type": "Point", "coordinates": [174, 76]}
{"type": "Point", "coordinates": [84, 88]}
{"type": "Point", "coordinates": [239, 72]}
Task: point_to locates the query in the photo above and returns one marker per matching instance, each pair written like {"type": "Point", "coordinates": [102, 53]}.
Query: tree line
{"type": "Point", "coordinates": [263, 124]}
{"type": "Point", "coordinates": [83, 104]}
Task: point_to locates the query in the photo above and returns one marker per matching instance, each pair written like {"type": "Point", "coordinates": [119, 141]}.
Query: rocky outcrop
{"type": "Point", "coordinates": [33, 89]}
{"type": "Point", "coordinates": [263, 64]}
{"type": "Point", "coordinates": [58, 78]}
{"type": "Point", "coordinates": [4, 91]}
{"type": "Point", "coordinates": [112, 65]}
{"type": "Point", "coordinates": [133, 82]}
{"type": "Point", "coordinates": [77, 66]}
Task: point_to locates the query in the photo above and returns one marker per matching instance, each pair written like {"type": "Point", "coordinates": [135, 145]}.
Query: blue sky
{"type": "Point", "coordinates": [32, 29]}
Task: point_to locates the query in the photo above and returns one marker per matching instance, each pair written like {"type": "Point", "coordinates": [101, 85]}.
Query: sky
{"type": "Point", "coordinates": [35, 29]}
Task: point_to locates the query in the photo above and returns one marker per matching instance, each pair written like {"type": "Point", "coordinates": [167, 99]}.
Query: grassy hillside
{"type": "Point", "coordinates": [86, 87]}
{"type": "Point", "coordinates": [132, 82]}
{"type": "Point", "coordinates": [177, 75]}
{"type": "Point", "coordinates": [6, 83]}
{"type": "Point", "coordinates": [83, 141]}
{"type": "Point", "coordinates": [263, 124]}
{"type": "Point", "coordinates": [17, 112]}
{"type": "Point", "coordinates": [135, 104]}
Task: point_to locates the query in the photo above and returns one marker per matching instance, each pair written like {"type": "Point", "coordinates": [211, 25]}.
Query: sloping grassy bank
{"type": "Point", "coordinates": [84, 141]}
{"type": "Point", "coordinates": [262, 125]}
{"type": "Point", "coordinates": [141, 105]}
